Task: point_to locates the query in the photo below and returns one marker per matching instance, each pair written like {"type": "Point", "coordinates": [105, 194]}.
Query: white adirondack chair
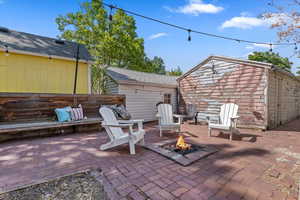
{"type": "Point", "coordinates": [227, 119]}
{"type": "Point", "coordinates": [114, 130]}
{"type": "Point", "coordinates": [166, 118]}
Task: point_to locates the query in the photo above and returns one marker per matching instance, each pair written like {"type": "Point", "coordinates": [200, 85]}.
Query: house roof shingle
{"type": "Point", "coordinates": [126, 76]}
{"type": "Point", "coordinates": [36, 44]}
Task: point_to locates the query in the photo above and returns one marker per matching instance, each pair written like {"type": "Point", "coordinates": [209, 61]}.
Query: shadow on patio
{"type": "Point", "coordinates": [236, 171]}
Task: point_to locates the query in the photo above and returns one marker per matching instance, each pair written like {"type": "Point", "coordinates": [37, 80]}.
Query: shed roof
{"type": "Point", "coordinates": [126, 76]}
{"type": "Point", "coordinates": [239, 61]}
{"type": "Point", "coordinates": [21, 42]}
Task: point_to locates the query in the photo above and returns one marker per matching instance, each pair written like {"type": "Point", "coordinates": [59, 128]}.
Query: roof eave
{"type": "Point", "coordinates": [234, 60]}
{"type": "Point", "coordinates": [45, 55]}
{"type": "Point", "coordinates": [145, 83]}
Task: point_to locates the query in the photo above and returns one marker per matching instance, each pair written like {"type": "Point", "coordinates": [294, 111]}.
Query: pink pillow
{"type": "Point", "coordinates": [77, 113]}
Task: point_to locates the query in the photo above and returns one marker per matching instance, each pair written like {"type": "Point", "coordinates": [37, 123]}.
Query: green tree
{"type": "Point", "coordinates": [273, 58]}
{"type": "Point", "coordinates": [175, 72]}
{"type": "Point", "coordinates": [158, 65]}
{"type": "Point", "coordinates": [127, 50]}
{"type": "Point", "coordinates": [110, 42]}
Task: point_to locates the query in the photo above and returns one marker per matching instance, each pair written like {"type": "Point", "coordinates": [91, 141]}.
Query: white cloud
{"type": "Point", "coordinates": [157, 35]}
{"type": "Point", "coordinates": [245, 14]}
{"type": "Point", "coordinates": [265, 46]}
{"type": "Point", "coordinates": [196, 7]}
{"type": "Point", "coordinates": [250, 47]}
{"type": "Point", "coordinates": [261, 46]}
{"type": "Point", "coordinates": [244, 22]}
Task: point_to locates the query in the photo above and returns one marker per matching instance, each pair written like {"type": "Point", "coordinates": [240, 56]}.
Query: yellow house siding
{"type": "Point", "coordinates": [34, 74]}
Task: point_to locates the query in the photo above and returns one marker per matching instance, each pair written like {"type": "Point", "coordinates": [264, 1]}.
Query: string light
{"type": "Point", "coordinates": [296, 47]}
{"type": "Point", "coordinates": [271, 47]}
{"type": "Point", "coordinates": [110, 12]}
{"type": "Point", "coordinates": [271, 3]}
{"type": "Point", "coordinates": [189, 35]}
{"type": "Point", "coordinates": [6, 51]}
{"type": "Point", "coordinates": [191, 30]}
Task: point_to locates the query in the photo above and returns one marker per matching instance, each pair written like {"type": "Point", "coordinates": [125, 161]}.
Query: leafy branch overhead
{"type": "Point", "coordinates": [285, 16]}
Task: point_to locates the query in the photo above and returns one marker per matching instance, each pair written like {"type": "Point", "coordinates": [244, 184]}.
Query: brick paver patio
{"type": "Point", "coordinates": [256, 165]}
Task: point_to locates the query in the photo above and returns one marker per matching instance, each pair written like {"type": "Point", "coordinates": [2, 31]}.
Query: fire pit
{"type": "Point", "coordinates": [184, 153]}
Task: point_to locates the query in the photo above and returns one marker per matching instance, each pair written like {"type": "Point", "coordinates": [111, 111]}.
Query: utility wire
{"type": "Point", "coordinates": [195, 31]}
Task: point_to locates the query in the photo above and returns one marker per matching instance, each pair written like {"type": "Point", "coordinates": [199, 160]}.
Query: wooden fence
{"type": "Point", "coordinates": [19, 107]}
{"type": "Point", "coordinates": [31, 115]}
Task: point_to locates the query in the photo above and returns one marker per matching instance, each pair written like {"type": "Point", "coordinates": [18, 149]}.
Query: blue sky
{"type": "Point", "coordinates": [226, 17]}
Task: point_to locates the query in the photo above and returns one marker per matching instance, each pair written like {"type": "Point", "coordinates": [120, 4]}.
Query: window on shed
{"type": "Point", "coordinates": [167, 98]}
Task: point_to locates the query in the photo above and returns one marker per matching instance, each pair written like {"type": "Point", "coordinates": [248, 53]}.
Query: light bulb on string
{"type": "Point", "coordinates": [271, 3]}
{"type": "Point", "coordinates": [6, 51]}
{"type": "Point", "coordinates": [50, 59]}
{"type": "Point", "coordinates": [271, 48]}
{"type": "Point", "coordinates": [110, 12]}
{"type": "Point", "coordinates": [296, 47]}
{"type": "Point", "coordinates": [189, 35]}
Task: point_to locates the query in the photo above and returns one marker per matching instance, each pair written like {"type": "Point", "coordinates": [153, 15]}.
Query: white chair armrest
{"type": "Point", "coordinates": [134, 121]}
{"type": "Point", "coordinates": [128, 125]}
{"type": "Point", "coordinates": [117, 125]}
{"type": "Point", "coordinates": [235, 117]}
{"type": "Point", "coordinates": [178, 116]}
{"type": "Point", "coordinates": [131, 121]}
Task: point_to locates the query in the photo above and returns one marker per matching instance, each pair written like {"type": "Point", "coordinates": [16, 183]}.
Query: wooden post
{"type": "Point", "coordinates": [76, 69]}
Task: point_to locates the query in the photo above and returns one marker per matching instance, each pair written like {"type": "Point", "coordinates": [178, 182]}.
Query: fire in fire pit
{"type": "Point", "coordinates": [181, 144]}
{"type": "Point", "coordinates": [182, 147]}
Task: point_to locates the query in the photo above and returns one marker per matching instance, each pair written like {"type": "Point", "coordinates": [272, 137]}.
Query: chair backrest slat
{"type": "Point", "coordinates": [110, 118]}
{"type": "Point", "coordinates": [166, 113]}
{"type": "Point", "coordinates": [228, 111]}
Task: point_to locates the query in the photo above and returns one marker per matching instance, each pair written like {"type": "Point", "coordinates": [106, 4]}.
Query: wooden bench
{"type": "Point", "coordinates": [23, 115]}
{"type": "Point", "coordinates": [30, 126]}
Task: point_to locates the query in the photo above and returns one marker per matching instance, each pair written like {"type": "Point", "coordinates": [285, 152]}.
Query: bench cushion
{"type": "Point", "coordinates": [63, 114]}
